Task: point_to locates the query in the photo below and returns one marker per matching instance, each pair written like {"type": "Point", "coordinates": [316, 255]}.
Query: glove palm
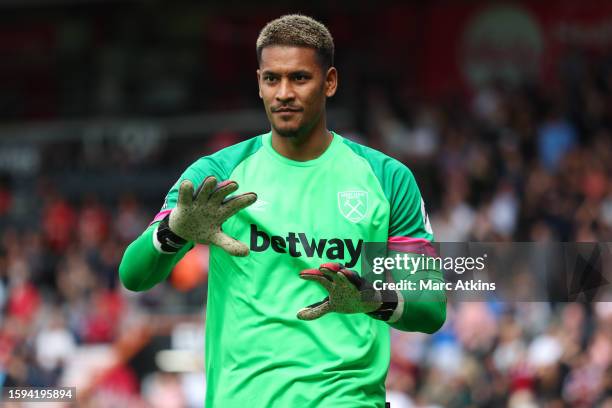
{"type": "Point", "coordinates": [348, 292]}
{"type": "Point", "coordinates": [198, 216]}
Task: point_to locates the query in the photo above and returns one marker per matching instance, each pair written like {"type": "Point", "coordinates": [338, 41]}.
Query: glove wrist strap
{"type": "Point", "coordinates": [166, 241]}
{"type": "Point", "coordinates": [389, 309]}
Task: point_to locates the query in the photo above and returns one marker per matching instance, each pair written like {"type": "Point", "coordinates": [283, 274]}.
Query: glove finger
{"type": "Point", "coordinates": [203, 192]}
{"type": "Point", "coordinates": [316, 276]}
{"type": "Point", "coordinates": [344, 283]}
{"type": "Point", "coordinates": [222, 190]}
{"type": "Point", "coordinates": [366, 293]}
{"type": "Point", "coordinates": [230, 245]}
{"type": "Point", "coordinates": [333, 266]}
{"type": "Point", "coordinates": [352, 277]}
{"type": "Point", "coordinates": [185, 194]}
{"type": "Point", "coordinates": [314, 311]}
{"type": "Point", "coordinates": [234, 204]}
{"type": "Point", "coordinates": [330, 270]}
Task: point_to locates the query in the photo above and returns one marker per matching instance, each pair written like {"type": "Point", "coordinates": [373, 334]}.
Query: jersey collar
{"type": "Point", "coordinates": [329, 152]}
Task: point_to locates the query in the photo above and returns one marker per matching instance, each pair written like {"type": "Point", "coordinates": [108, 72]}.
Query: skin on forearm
{"type": "Point", "coordinates": [142, 266]}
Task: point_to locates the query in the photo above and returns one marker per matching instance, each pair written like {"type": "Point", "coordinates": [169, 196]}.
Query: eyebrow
{"type": "Point", "coordinates": [292, 73]}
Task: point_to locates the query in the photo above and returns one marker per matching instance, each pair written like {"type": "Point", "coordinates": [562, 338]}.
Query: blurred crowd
{"type": "Point", "coordinates": [516, 164]}
{"type": "Point", "coordinates": [512, 163]}
{"type": "Point", "coordinates": [521, 355]}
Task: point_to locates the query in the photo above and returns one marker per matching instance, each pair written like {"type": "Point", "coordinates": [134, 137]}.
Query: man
{"type": "Point", "coordinates": [318, 198]}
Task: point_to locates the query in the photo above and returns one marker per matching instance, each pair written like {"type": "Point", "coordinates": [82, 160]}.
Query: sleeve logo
{"type": "Point", "coordinates": [353, 205]}
{"type": "Point", "coordinates": [426, 222]}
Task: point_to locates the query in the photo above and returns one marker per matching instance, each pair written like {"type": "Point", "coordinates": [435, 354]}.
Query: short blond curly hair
{"type": "Point", "coordinates": [300, 31]}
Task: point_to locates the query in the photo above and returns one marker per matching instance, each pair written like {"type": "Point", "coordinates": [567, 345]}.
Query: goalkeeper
{"type": "Point", "coordinates": [297, 202]}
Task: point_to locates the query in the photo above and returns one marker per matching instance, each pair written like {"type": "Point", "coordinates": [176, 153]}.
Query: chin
{"type": "Point", "coordinates": [288, 131]}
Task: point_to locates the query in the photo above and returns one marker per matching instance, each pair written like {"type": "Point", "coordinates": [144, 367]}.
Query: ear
{"type": "Point", "coordinates": [331, 82]}
{"type": "Point", "coordinates": [259, 83]}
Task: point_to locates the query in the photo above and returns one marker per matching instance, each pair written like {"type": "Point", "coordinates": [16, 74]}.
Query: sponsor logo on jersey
{"type": "Point", "coordinates": [353, 205]}
{"type": "Point", "coordinates": [297, 244]}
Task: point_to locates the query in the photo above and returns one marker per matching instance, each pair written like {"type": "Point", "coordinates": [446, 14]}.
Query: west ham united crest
{"type": "Point", "coordinates": [353, 205]}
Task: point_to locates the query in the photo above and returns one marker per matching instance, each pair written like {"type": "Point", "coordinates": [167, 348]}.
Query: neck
{"type": "Point", "coordinates": [307, 146]}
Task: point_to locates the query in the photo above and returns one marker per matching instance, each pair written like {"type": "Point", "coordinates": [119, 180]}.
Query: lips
{"type": "Point", "coordinates": [286, 110]}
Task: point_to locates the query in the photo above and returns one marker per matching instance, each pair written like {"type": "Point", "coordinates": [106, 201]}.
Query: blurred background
{"type": "Point", "coordinates": [502, 110]}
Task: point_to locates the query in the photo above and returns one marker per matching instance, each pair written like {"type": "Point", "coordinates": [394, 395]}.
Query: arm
{"type": "Point", "coordinates": [189, 216]}
{"type": "Point", "coordinates": [143, 265]}
{"type": "Point", "coordinates": [150, 258]}
{"type": "Point", "coordinates": [197, 218]}
{"type": "Point", "coordinates": [410, 233]}
{"type": "Point", "coordinates": [424, 313]}
{"type": "Point", "coordinates": [422, 310]}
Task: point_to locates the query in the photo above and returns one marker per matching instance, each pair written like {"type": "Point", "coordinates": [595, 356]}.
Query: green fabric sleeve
{"type": "Point", "coordinates": [143, 267]}
{"type": "Point", "coordinates": [424, 310]}
{"type": "Point", "coordinates": [424, 307]}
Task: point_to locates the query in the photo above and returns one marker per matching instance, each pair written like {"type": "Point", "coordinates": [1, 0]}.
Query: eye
{"type": "Point", "coordinates": [300, 77]}
{"type": "Point", "coordinates": [269, 79]}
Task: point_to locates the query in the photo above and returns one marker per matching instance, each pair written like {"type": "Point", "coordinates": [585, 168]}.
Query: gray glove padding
{"type": "Point", "coordinates": [198, 216]}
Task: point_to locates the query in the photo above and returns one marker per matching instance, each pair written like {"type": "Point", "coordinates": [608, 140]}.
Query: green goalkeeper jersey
{"type": "Point", "coordinates": [258, 354]}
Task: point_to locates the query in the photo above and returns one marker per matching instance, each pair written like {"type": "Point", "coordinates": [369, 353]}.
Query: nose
{"type": "Point", "coordinates": [285, 91]}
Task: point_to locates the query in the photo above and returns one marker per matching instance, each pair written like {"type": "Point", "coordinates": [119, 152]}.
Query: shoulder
{"type": "Point", "coordinates": [387, 169]}
{"type": "Point", "coordinates": [238, 150]}
{"type": "Point", "coordinates": [222, 162]}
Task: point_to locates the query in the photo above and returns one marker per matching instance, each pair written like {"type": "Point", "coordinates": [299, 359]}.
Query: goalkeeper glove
{"type": "Point", "coordinates": [198, 217]}
{"type": "Point", "coordinates": [349, 293]}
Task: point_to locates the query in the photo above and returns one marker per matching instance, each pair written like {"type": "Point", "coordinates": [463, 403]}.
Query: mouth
{"type": "Point", "coordinates": [286, 110]}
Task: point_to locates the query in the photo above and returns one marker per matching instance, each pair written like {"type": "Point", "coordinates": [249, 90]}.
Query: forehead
{"type": "Point", "coordinates": [281, 58]}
